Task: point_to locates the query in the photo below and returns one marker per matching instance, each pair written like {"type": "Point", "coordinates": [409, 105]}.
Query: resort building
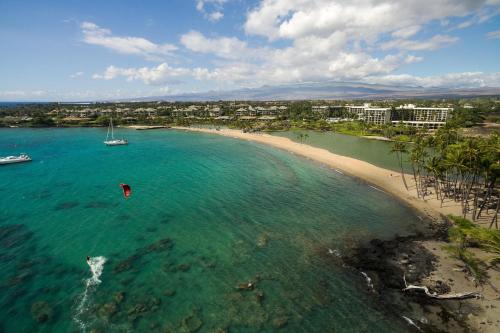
{"type": "Point", "coordinates": [409, 115]}
{"type": "Point", "coordinates": [214, 112]}
{"type": "Point", "coordinates": [328, 110]}
{"type": "Point", "coordinates": [186, 112]}
{"type": "Point", "coordinates": [369, 114]}
{"type": "Point", "coordinates": [250, 111]}
{"type": "Point", "coordinates": [246, 112]}
{"type": "Point", "coordinates": [421, 117]}
{"type": "Point", "coordinates": [270, 110]}
{"type": "Point", "coordinates": [322, 110]}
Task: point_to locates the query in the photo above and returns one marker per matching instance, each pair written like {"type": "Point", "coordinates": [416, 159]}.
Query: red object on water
{"type": "Point", "coordinates": [127, 191]}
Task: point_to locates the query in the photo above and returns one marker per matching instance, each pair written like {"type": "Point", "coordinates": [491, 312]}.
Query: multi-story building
{"type": "Point", "coordinates": [259, 111]}
{"type": "Point", "coordinates": [369, 114]}
{"type": "Point", "coordinates": [328, 110]}
{"type": "Point", "coordinates": [245, 112]}
{"type": "Point", "coordinates": [322, 110]}
{"type": "Point", "coordinates": [214, 112]}
{"type": "Point", "coordinates": [421, 117]}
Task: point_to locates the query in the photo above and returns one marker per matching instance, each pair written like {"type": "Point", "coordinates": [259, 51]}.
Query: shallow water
{"type": "Point", "coordinates": [373, 151]}
{"type": "Point", "coordinates": [207, 214]}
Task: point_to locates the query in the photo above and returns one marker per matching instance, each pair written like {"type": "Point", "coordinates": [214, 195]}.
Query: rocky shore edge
{"type": "Point", "coordinates": [390, 265]}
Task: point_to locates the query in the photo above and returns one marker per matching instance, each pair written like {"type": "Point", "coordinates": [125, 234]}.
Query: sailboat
{"type": "Point", "coordinates": [113, 141]}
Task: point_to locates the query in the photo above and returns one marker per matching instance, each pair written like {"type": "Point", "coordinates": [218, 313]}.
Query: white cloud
{"type": "Point", "coordinates": [361, 19]}
{"type": "Point", "coordinates": [406, 32]}
{"type": "Point", "coordinates": [95, 35]}
{"type": "Point", "coordinates": [223, 47]}
{"type": "Point", "coordinates": [480, 16]}
{"type": "Point", "coordinates": [335, 39]}
{"type": "Point", "coordinates": [493, 34]}
{"type": "Point", "coordinates": [217, 5]}
{"type": "Point", "coordinates": [215, 16]}
{"type": "Point", "coordinates": [76, 75]}
{"type": "Point", "coordinates": [164, 73]}
{"type": "Point", "coordinates": [164, 90]}
{"type": "Point", "coordinates": [200, 4]}
{"type": "Point", "coordinates": [410, 59]}
{"type": "Point", "coordinates": [320, 40]}
{"type": "Point", "coordinates": [149, 75]}
{"type": "Point", "coordinates": [359, 65]}
{"type": "Point", "coordinates": [451, 80]}
{"type": "Point", "coordinates": [434, 43]}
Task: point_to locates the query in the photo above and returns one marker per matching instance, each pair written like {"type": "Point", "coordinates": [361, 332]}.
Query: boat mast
{"type": "Point", "coordinates": [107, 134]}
{"type": "Point", "coordinates": [112, 134]}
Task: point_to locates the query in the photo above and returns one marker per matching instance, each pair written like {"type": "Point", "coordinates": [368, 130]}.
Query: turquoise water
{"type": "Point", "coordinates": [207, 214]}
{"type": "Point", "coordinates": [376, 152]}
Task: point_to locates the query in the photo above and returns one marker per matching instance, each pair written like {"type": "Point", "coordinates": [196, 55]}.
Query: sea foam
{"type": "Point", "coordinates": [96, 265]}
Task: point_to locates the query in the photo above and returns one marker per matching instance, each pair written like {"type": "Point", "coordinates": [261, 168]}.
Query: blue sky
{"type": "Point", "coordinates": [91, 50]}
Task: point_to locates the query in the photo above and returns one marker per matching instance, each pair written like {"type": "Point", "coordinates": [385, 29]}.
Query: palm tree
{"type": "Point", "coordinates": [433, 166]}
{"type": "Point", "coordinates": [461, 168]}
{"type": "Point", "coordinates": [301, 137]}
{"type": "Point", "coordinates": [417, 158]}
{"type": "Point", "coordinates": [400, 148]}
{"type": "Point", "coordinates": [454, 160]}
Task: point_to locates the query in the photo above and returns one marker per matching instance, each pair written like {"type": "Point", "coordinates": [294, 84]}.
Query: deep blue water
{"type": "Point", "coordinates": [13, 104]}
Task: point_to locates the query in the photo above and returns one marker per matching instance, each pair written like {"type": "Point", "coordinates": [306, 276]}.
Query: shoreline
{"type": "Point", "coordinates": [422, 255]}
{"type": "Point", "coordinates": [377, 137]}
{"type": "Point", "coordinates": [381, 179]}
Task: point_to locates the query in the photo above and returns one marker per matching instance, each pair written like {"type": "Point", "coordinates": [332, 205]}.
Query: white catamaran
{"type": "Point", "coordinates": [113, 141]}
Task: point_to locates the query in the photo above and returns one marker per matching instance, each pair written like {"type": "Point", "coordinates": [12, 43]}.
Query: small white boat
{"type": "Point", "coordinates": [15, 159]}
{"type": "Point", "coordinates": [113, 141]}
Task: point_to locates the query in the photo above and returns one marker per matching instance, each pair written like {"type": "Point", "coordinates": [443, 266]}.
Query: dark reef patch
{"type": "Point", "coordinates": [66, 205]}
{"type": "Point", "coordinates": [14, 235]}
{"type": "Point", "coordinates": [99, 204]}
{"type": "Point", "coordinates": [44, 194]}
{"type": "Point", "coordinates": [127, 264]}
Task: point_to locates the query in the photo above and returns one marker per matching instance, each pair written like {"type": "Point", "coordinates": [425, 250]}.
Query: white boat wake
{"type": "Point", "coordinates": [96, 267]}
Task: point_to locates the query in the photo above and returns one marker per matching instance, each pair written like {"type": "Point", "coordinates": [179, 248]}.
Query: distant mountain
{"type": "Point", "coordinates": [326, 90]}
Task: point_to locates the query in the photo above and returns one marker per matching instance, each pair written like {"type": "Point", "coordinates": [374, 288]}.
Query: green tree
{"type": "Point", "coordinates": [400, 148]}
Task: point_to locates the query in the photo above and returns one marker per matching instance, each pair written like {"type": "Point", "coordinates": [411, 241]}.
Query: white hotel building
{"type": "Point", "coordinates": [409, 115]}
{"type": "Point", "coordinates": [421, 117]}
{"type": "Point", "coordinates": [369, 114]}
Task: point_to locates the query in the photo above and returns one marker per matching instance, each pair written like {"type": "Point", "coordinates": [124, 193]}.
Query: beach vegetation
{"type": "Point", "coordinates": [474, 266]}
{"type": "Point", "coordinates": [465, 235]}
{"type": "Point", "coordinates": [468, 234]}
{"type": "Point", "coordinates": [399, 148]}
{"type": "Point", "coordinates": [453, 167]}
{"type": "Point", "coordinates": [42, 120]}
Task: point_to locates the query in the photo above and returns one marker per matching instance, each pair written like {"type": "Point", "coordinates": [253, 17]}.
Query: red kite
{"type": "Point", "coordinates": [126, 190]}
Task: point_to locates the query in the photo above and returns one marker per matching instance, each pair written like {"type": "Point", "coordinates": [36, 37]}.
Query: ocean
{"type": "Point", "coordinates": [219, 235]}
{"type": "Point", "coordinates": [14, 104]}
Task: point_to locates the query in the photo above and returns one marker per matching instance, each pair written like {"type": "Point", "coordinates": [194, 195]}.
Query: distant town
{"type": "Point", "coordinates": [386, 118]}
